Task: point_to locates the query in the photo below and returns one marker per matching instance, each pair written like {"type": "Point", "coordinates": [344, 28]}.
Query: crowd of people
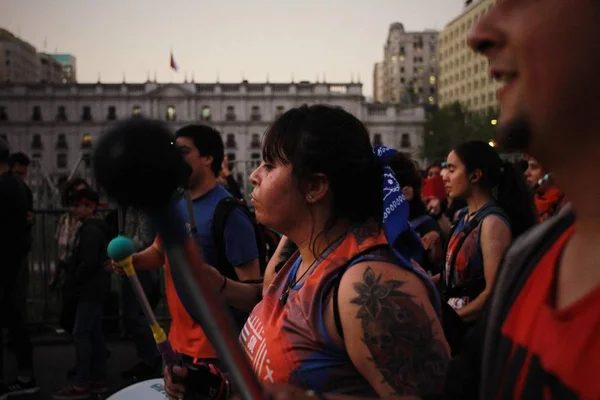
{"type": "Point", "coordinates": [475, 279]}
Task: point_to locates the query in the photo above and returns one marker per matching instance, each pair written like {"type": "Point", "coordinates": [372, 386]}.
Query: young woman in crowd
{"type": "Point", "coordinates": [499, 208]}
{"type": "Point", "coordinates": [345, 314]}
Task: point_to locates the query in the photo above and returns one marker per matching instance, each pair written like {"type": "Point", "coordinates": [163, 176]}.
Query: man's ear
{"type": "Point", "coordinates": [315, 188]}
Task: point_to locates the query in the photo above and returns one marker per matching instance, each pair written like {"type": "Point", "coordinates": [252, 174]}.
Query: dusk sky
{"type": "Point", "coordinates": [229, 38]}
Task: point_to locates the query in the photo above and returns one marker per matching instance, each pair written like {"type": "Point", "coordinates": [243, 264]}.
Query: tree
{"type": "Point", "coordinates": [446, 127]}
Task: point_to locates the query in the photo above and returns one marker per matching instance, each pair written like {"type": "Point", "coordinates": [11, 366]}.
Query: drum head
{"type": "Point", "coordinates": [147, 390]}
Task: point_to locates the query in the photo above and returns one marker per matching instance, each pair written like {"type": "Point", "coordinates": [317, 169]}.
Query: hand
{"type": "Point", "coordinates": [430, 239]}
{"type": "Point", "coordinates": [175, 390]}
{"type": "Point", "coordinates": [434, 206]}
{"type": "Point", "coordinates": [113, 267]}
{"type": "Point", "coordinates": [204, 381]}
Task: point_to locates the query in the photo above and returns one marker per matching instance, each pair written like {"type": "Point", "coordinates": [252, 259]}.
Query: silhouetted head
{"type": "Point", "coordinates": [138, 165]}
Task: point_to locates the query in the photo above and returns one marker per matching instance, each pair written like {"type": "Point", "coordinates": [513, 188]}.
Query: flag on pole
{"type": "Point", "coordinates": [173, 64]}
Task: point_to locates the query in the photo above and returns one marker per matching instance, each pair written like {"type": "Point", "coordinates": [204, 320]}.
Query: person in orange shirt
{"type": "Point", "coordinates": [549, 199]}
{"type": "Point", "coordinates": [202, 149]}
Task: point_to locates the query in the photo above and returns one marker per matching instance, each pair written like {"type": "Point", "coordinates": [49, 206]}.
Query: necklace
{"type": "Point", "coordinates": [286, 293]}
{"type": "Point", "coordinates": [292, 282]}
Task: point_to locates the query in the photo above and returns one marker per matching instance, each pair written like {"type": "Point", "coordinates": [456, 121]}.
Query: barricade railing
{"type": "Point", "coordinates": [43, 304]}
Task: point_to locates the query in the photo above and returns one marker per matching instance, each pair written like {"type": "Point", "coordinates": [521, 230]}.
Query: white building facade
{"type": "Point", "coordinates": [58, 125]}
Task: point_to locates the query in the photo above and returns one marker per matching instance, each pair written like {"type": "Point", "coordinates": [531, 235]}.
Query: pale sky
{"type": "Point", "coordinates": [226, 38]}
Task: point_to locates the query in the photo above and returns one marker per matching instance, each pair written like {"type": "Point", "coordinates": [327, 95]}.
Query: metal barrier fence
{"type": "Point", "coordinates": [44, 304]}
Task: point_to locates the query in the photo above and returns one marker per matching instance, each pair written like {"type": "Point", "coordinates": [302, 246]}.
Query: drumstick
{"type": "Point", "coordinates": [121, 249]}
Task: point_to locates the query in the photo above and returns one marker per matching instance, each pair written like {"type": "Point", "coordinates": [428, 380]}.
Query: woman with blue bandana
{"type": "Point", "coordinates": [347, 313]}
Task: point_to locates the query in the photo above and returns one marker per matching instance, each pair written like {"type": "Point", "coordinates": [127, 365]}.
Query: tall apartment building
{"type": "Point", "coordinates": [409, 70]}
{"type": "Point", "coordinates": [18, 59]}
{"type": "Point", "coordinates": [464, 75]}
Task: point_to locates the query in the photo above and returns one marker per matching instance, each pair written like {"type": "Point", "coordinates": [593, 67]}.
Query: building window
{"type": "Point", "coordinates": [278, 111]}
{"type": "Point", "coordinates": [255, 157]}
{"type": "Point", "coordinates": [491, 96]}
{"type": "Point", "coordinates": [3, 137]}
{"type": "Point", "coordinates": [255, 142]}
{"type": "Point", "coordinates": [87, 114]}
{"type": "Point", "coordinates": [62, 114]}
{"type": "Point", "coordinates": [230, 114]}
{"type": "Point", "coordinates": [402, 80]}
{"type": "Point", "coordinates": [171, 113]}
{"type": "Point", "coordinates": [86, 141]}
{"type": "Point", "coordinates": [37, 113]}
{"type": "Point", "coordinates": [405, 141]}
{"type": "Point", "coordinates": [230, 142]}
{"type": "Point", "coordinates": [112, 113]}
{"type": "Point", "coordinates": [36, 142]}
{"type": "Point", "coordinates": [205, 113]}
{"type": "Point", "coordinates": [377, 139]}
{"type": "Point", "coordinates": [483, 99]}
{"type": "Point", "coordinates": [61, 142]}
{"type": "Point", "coordinates": [61, 160]}
{"type": "Point", "coordinates": [136, 111]}
{"type": "Point", "coordinates": [231, 161]}
{"type": "Point", "coordinates": [255, 114]}
{"type": "Point", "coordinates": [3, 114]}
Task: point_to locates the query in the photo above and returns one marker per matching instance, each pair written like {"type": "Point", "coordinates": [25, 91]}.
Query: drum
{"type": "Point", "coordinates": [153, 389]}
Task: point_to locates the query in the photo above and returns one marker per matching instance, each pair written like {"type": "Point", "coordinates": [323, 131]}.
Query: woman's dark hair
{"type": "Point", "coordinates": [503, 180]}
{"type": "Point", "coordinates": [408, 174]}
{"type": "Point", "coordinates": [330, 141]}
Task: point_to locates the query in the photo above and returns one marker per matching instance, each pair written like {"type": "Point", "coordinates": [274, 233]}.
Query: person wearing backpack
{"type": "Point", "coordinates": [202, 149]}
{"type": "Point", "coordinates": [499, 208]}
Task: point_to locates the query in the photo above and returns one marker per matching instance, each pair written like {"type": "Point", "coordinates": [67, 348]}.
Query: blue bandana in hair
{"type": "Point", "coordinates": [400, 235]}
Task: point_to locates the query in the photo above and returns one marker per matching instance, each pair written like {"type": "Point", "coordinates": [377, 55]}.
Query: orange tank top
{"type": "Point", "coordinates": [185, 335]}
{"type": "Point", "coordinates": [288, 343]}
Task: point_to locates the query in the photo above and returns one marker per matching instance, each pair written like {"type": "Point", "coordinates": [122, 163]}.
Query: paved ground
{"type": "Point", "coordinates": [53, 358]}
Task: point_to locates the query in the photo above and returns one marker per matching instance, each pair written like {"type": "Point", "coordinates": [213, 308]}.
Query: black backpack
{"type": "Point", "coordinates": [266, 239]}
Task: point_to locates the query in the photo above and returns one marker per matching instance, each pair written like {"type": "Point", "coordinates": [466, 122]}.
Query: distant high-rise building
{"type": "Point", "coordinates": [18, 59]}
{"type": "Point", "coordinates": [50, 70]}
{"type": "Point", "coordinates": [69, 66]}
{"type": "Point", "coordinates": [408, 72]}
{"type": "Point", "coordinates": [464, 75]}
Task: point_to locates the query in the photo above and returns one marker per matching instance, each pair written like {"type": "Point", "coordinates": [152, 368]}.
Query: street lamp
{"type": "Point", "coordinates": [494, 122]}
{"type": "Point", "coordinates": [492, 143]}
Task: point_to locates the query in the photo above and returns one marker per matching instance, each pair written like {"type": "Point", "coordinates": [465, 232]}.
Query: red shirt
{"type": "Point", "coordinates": [185, 335]}
{"type": "Point", "coordinates": [555, 353]}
